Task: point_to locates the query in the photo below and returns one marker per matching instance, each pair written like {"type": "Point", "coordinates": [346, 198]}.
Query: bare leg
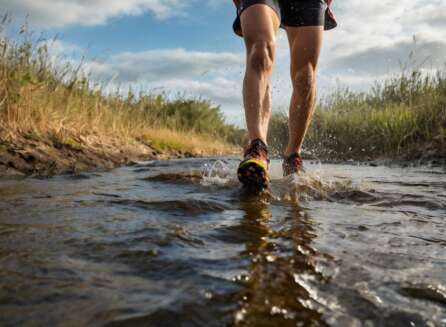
{"type": "Point", "coordinates": [259, 25]}
{"type": "Point", "coordinates": [305, 45]}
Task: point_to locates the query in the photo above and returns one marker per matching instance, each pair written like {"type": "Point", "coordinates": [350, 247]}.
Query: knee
{"type": "Point", "coordinates": [261, 56]}
{"type": "Point", "coordinates": [304, 77]}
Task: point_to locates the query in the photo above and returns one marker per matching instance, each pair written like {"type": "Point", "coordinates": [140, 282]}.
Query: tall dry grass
{"type": "Point", "coordinates": [43, 98]}
{"type": "Point", "coordinates": [404, 116]}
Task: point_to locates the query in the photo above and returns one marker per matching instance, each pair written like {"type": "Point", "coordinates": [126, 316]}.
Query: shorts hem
{"type": "Point", "coordinates": [237, 26]}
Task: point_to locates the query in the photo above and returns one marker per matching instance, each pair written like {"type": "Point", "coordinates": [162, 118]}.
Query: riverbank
{"type": "Point", "coordinates": [55, 118]}
{"type": "Point", "coordinates": [27, 154]}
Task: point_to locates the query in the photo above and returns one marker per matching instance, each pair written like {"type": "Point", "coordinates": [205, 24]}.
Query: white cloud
{"type": "Point", "coordinates": [385, 29]}
{"type": "Point", "coordinates": [220, 90]}
{"type": "Point", "coordinates": [58, 48]}
{"type": "Point", "coordinates": [58, 13]}
{"type": "Point", "coordinates": [167, 64]}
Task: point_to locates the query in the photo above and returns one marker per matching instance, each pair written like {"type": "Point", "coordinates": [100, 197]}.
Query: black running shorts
{"type": "Point", "coordinates": [293, 13]}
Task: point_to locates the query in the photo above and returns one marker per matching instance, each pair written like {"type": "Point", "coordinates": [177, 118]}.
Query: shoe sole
{"type": "Point", "coordinates": [253, 174]}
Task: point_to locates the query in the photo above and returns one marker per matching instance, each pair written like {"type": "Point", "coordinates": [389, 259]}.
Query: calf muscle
{"type": "Point", "coordinates": [259, 26]}
{"type": "Point", "coordinates": [305, 45]}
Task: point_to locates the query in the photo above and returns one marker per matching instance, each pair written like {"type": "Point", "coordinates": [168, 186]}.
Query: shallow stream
{"type": "Point", "coordinates": [177, 243]}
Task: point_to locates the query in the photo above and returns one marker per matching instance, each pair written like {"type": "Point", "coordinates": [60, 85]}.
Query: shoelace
{"type": "Point", "coordinates": [258, 148]}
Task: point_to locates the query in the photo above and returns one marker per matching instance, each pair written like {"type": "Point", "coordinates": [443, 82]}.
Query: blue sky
{"type": "Point", "coordinates": [187, 46]}
{"type": "Point", "coordinates": [202, 28]}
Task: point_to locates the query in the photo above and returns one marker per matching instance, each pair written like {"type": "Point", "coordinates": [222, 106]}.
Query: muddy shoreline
{"type": "Point", "coordinates": [30, 157]}
{"type": "Point", "coordinates": [436, 161]}
{"type": "Point", "coordinates": [432, 154]}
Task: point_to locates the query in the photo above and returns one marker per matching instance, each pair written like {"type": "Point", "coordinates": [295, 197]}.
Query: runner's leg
{"type": "Point", "coordinates": [305, 45]}
{"type": "Point", "coordinates": [260, 24]}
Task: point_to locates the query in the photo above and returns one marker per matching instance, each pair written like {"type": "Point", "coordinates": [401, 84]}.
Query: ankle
{"type": "Point", "coordinates": [258, 139]}
{"type": "Point", "coordinates": [290, 151]}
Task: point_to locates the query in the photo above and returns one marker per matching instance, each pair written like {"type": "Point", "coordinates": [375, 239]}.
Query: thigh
{"type": "Point", "coordinates": [305, 45]}
{"type": "Point", "coordinates": [259, 22]}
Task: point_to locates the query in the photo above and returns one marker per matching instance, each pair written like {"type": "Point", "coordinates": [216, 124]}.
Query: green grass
{"type": "Point", "coordinates": [402, 117]}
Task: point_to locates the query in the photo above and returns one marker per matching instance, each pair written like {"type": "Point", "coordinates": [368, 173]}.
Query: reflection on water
{"type": "Point", "coordinates": [178, 244]}
{"type": "Point", "coordinates": [278, 289]}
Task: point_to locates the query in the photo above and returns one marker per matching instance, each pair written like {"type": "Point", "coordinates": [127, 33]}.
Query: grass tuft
{"type": "Point", "coordinates": [46, 99]}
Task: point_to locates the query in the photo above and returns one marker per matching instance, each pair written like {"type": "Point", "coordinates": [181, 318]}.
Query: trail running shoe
{"type": "Point", "coordinates": [292, 164]}
{"type": "Point", "coordinates": [253, 170]}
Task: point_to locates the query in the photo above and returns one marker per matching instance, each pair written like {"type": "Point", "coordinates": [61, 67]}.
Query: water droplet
{"type": "Point", "coordinates": [240, 316]}
{"type": "Point", "coordinates": [275, 310]}
{"type": "Point", "coordinates": [270, 258]}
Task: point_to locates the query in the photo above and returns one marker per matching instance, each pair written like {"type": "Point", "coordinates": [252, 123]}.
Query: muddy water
{"type": "Point", "coordinates": [178, 244]}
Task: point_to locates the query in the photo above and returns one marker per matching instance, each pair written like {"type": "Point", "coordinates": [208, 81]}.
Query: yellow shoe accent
{"type": "Point", "coordinates": [257, 162]}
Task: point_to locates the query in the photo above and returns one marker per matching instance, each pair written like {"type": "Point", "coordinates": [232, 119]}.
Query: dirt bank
{"type": "Point", "coordinates": [24, 155]}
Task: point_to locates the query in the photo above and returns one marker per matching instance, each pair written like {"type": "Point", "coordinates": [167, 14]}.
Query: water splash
{"type": "Point", "coordinates": [220, 173]}
{"type": "Point", "coordinates": [315, 183]}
